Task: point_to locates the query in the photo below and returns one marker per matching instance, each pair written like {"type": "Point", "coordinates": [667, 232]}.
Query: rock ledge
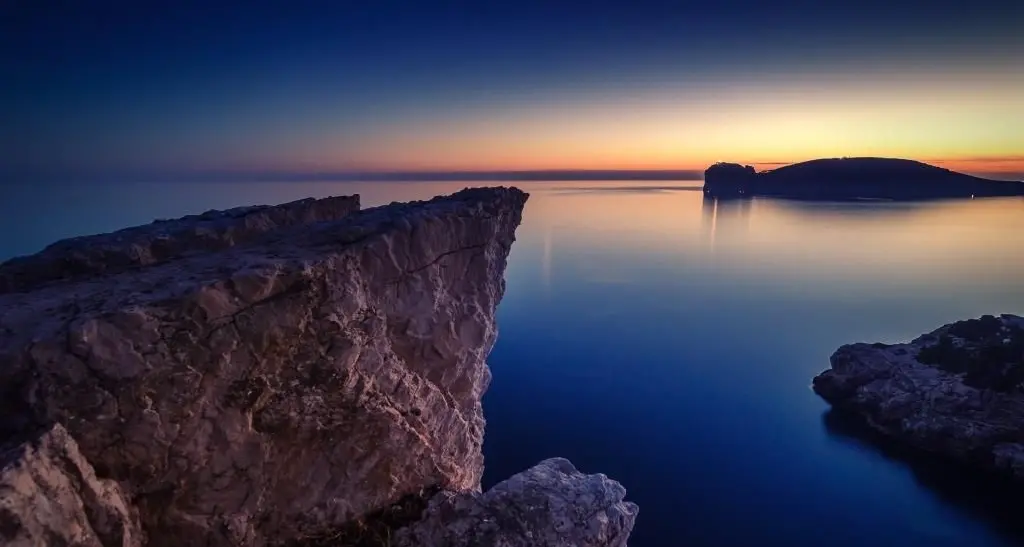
{"type": "Point", "coordinates": [957, 391]}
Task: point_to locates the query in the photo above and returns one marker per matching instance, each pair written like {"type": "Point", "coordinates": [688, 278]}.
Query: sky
{"type": "Point", "coordinates": [105, 88]}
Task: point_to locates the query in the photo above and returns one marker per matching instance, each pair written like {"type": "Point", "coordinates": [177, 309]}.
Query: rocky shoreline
{"type": "Point", "coordinates": [273, 375]}
{"type": "Point", "coordinates": [957, 391]}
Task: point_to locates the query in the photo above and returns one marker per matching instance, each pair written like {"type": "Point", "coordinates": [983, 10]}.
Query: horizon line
{"type": "Point", "coordinates": [438, 175]}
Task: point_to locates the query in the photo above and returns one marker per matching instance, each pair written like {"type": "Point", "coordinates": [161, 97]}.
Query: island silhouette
{"type": "Point", "coordinates": [852, 178]}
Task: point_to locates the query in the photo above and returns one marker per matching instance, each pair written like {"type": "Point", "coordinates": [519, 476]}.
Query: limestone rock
{"type": "Point", "coordinates": [957, 391]}
{"type": "Point", "coordinates": [549, 505]}
{"type": "Point", "coordinates": [160, 241]}
{"type": "Point", "coordinates": [273, 388]}
{"type": "Point", "coordinates": [49, 495]}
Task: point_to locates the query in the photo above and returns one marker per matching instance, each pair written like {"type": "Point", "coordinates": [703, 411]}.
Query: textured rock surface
{"type": "Point", "coordinates": [49, 495]}
{"type": "Point", "coordinates": [965, 400]}
{"type": "Point", "coordinates": [164, 240]}
{"type": "Point", "coordinates": [549, 505]}
{"type": "Point", "coordinates": [277, 387]}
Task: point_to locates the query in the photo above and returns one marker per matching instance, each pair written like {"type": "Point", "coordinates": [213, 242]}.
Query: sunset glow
{"type": "Point", "coordinates": [973, 126]}
{"type": "Point", "coordinates": [527, 94]}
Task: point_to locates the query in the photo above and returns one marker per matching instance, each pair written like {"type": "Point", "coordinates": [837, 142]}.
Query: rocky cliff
{"type": "Point", "coordinates": [267, 375]}
{"type": "Point", "coordinates": [957, 391]}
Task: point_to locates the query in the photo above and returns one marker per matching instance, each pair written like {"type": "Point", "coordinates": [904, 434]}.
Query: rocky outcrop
{"type": "Point", "coordinates": [164, 240]}
{"type": "Point", "coordinates": [957, 391]}
{"type": "Point", "coordinates": [550, 505]}
{"type": "Point", "coordinates": [49, 495]}
{"type": "Point", "coordinates": [266, 375]}
{"type": "Point", "coordinates": [729, 179]}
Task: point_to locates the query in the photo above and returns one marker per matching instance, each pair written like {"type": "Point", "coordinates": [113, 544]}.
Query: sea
{"type": "Point", "coordinates": [668, 340]}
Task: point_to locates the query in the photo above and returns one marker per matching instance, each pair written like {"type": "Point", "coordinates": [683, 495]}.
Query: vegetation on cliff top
{"type": "Point", "coordinates": [988, 352]}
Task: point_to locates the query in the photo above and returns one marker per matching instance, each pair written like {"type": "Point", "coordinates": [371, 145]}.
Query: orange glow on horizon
{"type": "Point", "coordinates": [964, 122]}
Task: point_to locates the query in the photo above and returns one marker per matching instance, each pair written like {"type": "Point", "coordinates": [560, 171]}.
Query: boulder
{"type": "Point", "coordinates": [50, 495]}
{"type": "Point", "coordinates": [549, 505]}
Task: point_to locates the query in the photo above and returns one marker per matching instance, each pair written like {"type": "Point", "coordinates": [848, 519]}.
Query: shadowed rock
{"type": "Point", "coordinates": [164, 240]}
{"type": "Point", "coordinates": [549, 505]}
{"type": "Point", "coordinates": [49, 495]}
{"type": "Point", "coordinates": [957, 391]}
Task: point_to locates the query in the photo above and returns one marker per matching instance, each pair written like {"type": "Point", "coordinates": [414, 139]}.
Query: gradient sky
{"type": "Point", "coordinates": [104, 87]}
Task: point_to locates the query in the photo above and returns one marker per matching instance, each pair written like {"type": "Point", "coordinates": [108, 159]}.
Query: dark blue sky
{"type": "Point", "coordinates": [116, 86]}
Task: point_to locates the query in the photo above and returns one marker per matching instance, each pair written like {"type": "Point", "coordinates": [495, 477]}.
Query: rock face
{"type": "Point", "coordinates": [852, 178]}
{"type": "Point", "coordinates": [550, 505]}
{"type": "Point", "coordinates": [105, 254]}
{"type": "Point", "coordinates": [957, 391]}
{"type": "Point", "coordinates": [49, 495]}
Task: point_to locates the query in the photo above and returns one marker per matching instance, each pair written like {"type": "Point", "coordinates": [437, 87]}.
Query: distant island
{"type": "Point", "coordinates": [852, 178]}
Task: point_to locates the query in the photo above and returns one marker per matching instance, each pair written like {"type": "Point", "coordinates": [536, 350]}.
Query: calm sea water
{"type": "Point", "coordinates": [668, 341]}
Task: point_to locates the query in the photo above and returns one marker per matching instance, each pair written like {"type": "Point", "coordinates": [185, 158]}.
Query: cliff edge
{"type": "Point", "coordinates": [261, 379]}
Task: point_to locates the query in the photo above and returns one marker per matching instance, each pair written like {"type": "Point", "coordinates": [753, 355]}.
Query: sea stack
{"type": "Point", "coordinates": [268, 376]}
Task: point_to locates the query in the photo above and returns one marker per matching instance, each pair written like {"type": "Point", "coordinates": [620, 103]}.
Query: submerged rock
{"type": "Point", "coordinates": [957, 391]}
{"type": "Point", "coordinates": [549, 505]}
{"type": "Point", "coordinates": [272, 374]}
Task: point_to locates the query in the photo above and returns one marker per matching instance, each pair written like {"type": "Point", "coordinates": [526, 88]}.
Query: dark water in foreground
{"type": "Point", "coordinates": [669, 342]}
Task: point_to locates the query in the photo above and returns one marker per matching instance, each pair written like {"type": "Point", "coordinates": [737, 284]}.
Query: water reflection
{"type": "Point", "coordinates": [991, 498]}
{"type": "Point", "coordinates": [725, 218]}
{"type": "Point", "coordinates": [631, 188]}
{"type": "Point", "coordinates": [545, 261]}
{"type": "Point", "coordinates": [861, 207]}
